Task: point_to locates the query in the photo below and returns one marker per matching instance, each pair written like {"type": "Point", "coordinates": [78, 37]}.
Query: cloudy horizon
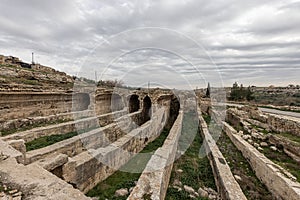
{"type": "Point", "coordinates": [182, 44]}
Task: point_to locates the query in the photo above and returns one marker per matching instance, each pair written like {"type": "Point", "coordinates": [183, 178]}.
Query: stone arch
{"type": "Point", "coordinates": [174, 110]}
{"type": "Point", "coordinates": [147, 112]}
{"type": "Point", "coordinates": [134, 103]}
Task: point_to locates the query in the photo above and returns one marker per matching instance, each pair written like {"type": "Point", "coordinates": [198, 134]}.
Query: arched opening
{"type": "Point", "coordinates": [134, 103]}
{"type": "Point", "coordinates": [174, 111]}
{"type": "Point", "coordinates": [147, 109]}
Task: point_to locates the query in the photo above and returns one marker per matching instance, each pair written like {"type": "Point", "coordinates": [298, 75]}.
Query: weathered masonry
{"type": "Point", "coordinates": [111, 128]}
{"type": "Point", "coordinates": [60, 145]}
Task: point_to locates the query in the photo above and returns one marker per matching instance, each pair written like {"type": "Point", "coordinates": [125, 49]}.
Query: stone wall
{"type": "Point", "coordinates": [205, 105]}
{"type": "Point", "coordinates": [108, 102]}
{"type": "Point", "coordinates": [33, 121]}
{"type": "Point", "coordinates": [155, 178]}
{"type": "Point", "coordinates": [284, 124]}
{"type": "Point", "coordinates": [276, 123]}
{"type": "Point", "coordinates": [14, 105]}
{"type": "Point", "coordinates": [12, 100]}
{"type": "Point", "coordinates": [268, 172]}
{"type": "Point", "coordinates": [226, 183]}
{"type": "Point", "coordinates": [291, 148]}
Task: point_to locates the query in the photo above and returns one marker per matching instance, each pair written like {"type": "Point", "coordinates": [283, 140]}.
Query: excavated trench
{"type": "Point", "coordinates": [251, 186]}
{"type": "Point", "coordinates": [281, 148]}
{"type": "Point", "coordinates": [190, 169]}
{"type": "Point", "coordinates": [76, 142]}
{"type": "Point", "coordinates": [278, 154]}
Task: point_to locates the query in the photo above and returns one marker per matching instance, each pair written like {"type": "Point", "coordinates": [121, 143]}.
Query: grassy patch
{"type": "Point", "coordinates": [207, 118]}
{"type": "Point", "coordinates": [107, 188]}
{"type": "Point", "coordinates": [260, 129]}
{"type": "Point", "coordinates": [1, 187]}
{"type": "Point", "coordinates": [48, 140]}
{"type": "Point", "coordinates": [52, 139]}
{"type": "Point", "coordinates": [124, 179]}
{"type": "Point", "coordinates": [284, 161]}
{"type": "Point", "coordinates": [290, 137]}
{"type": "Point", "coordinates": [31, 82]}
{"type": "Point", "coordinates": [196, 171]}
{"type": "Point", "coordinates": [174, 194]}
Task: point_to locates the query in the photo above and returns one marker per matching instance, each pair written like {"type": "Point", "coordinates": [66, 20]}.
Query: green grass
{"type": "Point", "coordinates": [284, 161]}
{"type": "Point", "coordinates": [1, 187]}
{"type": "Point", "coordinates": [197, 171]}
{"type": "Point", "coordinates": [156, 143]}
{"type": "Point", "coordinates": [123, 178]}
{"type": "Point", "coordinates": [31, 82]}
{"type": "Point", "coordinates": [207, 118]}
{"type": "Point", "coordinates": [174, 194]}
{"type": "Point", "coordinates": [107, 188]}
{"type": "Point", "coordinates": [290, 137]}
{"type": "Point", "coordinates": [52, 139]}
{"type": "Point", "coordinates": [48, 140]}
{"type": "Point", "coordinates": [260, 129]}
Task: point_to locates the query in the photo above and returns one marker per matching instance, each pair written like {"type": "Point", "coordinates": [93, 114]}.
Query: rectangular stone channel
{"type": "Point", "coordinates": [260, 135]}
{"type": "Point", "coordinates": [268, 172]}
{"type": "Point", "coordinates": [192, 175]}
{"type": "Point", "coordinates": [66, 127]}
{"type": "Point", "coordinates": [155, 178]}
{"type": "Point", "coordinates": [88, 168]}
{"type": "Point", "coordinates": [15, 125]}
{"type": "Point", "coordinates": [227, 185]}
{"type": "Point", "coordinates": [92, 139]}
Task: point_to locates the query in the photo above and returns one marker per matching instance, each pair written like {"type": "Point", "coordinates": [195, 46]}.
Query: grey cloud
{"type": "Point", "coordinates": [71, 35]}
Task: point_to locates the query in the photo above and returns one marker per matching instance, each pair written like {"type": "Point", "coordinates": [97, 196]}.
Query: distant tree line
{"type": "Point", "coordinates": [102, 83]}
{"type": "Point", "coordinates": [110, 83]}
{"type": "Point", "coordinates": [239, 93]}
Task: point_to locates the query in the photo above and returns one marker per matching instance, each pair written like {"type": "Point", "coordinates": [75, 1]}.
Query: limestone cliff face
{"type": "Point", "coordinates": [18, 75]}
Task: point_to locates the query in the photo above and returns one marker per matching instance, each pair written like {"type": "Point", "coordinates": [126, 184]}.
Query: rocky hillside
{"type": "Point", "coordinates": [16, 75]}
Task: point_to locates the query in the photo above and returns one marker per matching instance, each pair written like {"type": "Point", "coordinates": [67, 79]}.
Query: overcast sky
{"type": "Point", "coordinates": [170, 43]}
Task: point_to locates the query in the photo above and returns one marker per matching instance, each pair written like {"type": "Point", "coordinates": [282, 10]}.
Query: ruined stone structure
{"type": "Point", "coordinates": [275, 178]}
{"type": "Point", "coordinates": [59, 142]}
{"type": "Point", "coordinates": [119, 127]}
{"type": "Point", "coordinates": [113, 128]}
